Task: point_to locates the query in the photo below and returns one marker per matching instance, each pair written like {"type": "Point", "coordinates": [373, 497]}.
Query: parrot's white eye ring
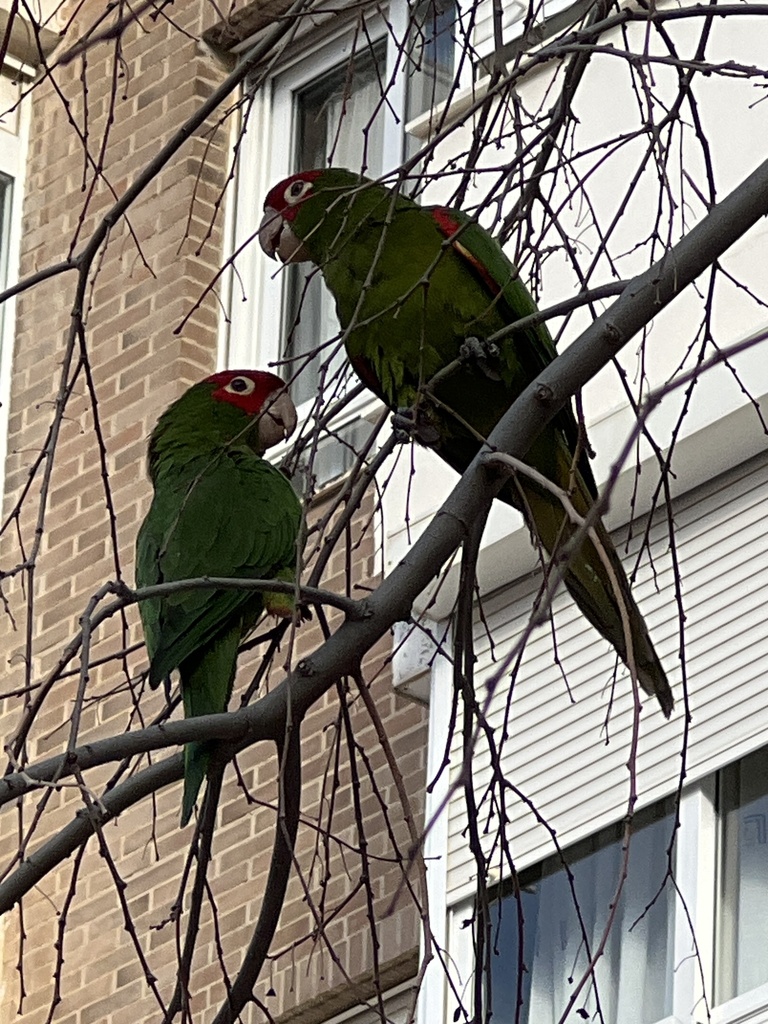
{"type": "Point", "coordinates": [241, 386]}
{"type": "Point", "coordinates": [296, 191]}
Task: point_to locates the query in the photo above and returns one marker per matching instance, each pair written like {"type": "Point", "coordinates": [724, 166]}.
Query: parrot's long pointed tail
{"type": "Point", "coordinates": [591, 586]}
{"type": "Point", "coordinates": [206, 686]}
{"type": "Point", "coordinates": [606, 617]}
{"type": "Point", "coordinates": [196, 760]}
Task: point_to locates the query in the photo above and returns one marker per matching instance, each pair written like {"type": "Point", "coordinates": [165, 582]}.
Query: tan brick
{"type": "Point", "coordinates": [139, 366]}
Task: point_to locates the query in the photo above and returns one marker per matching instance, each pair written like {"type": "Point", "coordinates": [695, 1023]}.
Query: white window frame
{"type": "Point", "coordinates": [696, 873]}
{"type": "Point", "coordinates": [273, 118]}
{"type": "Point", "coordinates": [253, 333]}
{"type": "Point", "coordinates": [13, 158]}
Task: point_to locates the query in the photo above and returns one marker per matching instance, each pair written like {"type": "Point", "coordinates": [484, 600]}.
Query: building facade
{"type": "Point", "coordinates": [585, 858]}
{"type": "Point", "coordinates": [84, 149]}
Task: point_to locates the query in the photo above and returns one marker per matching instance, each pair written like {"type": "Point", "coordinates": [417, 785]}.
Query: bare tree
{"type": "Point", "coordinates": [624, 195]}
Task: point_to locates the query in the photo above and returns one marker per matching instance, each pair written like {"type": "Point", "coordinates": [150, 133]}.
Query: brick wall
{"type": "Point", "coordinates": [139, 295]}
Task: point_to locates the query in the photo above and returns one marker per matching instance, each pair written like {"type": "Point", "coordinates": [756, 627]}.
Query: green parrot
{"type": "Point", "coordinates": [219, 509]}
{"type": "Point", "coordinates": [418, 288]}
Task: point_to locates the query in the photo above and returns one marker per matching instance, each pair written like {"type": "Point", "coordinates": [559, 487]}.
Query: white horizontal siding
{"type": "Point", "coordinates": [558, 752]}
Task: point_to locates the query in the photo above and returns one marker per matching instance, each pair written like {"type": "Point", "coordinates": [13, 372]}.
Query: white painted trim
{"type": "Point", "coordinates": [695, 871]}
{"type": "Point", "coordinates": [750, 1008]}
{"type": "Point", "coordinates": [13, 162]}
{"type": "Point", "coordinates": [245, 337]}
{"type": "Point", "coordinates": [431, 1007]}
{"type": "Point", "coordinates": [228, 247]}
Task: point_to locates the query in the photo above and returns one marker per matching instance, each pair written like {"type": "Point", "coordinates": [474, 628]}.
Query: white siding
{"type": "Point", "coordinates": [556, 750]}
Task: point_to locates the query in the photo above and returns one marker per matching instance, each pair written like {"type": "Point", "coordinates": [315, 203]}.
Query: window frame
{"type": "Point", "coordinates": [578, 857]}
{"type": "Point", "coordinates": [288, 90]}
{"type": "Point", "coordinates": [262, 163]}
{"type": "Point", "coordinates": [273, 110]}
{"type": "Point", "coordinates": [751, 1005]}
{"type": "Point", "coordinates": [698, 861]}
{"type": "Point", "coordinates": [13, 156]}
{"type": "Point", "coordinates": [247, 336]}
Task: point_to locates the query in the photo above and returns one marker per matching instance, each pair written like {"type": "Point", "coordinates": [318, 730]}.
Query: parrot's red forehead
{"type": "Point", "coordinates": [279, 198]}
{"type": "Point", "coordinates": [247, 389]}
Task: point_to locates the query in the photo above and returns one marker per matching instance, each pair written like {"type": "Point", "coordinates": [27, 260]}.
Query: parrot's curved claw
{"type": "Point", "coordinates": [411, 424]}
{"type": "Point", "coordinates": [483, 354]}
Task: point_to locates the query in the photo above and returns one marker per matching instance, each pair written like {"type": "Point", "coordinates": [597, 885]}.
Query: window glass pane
{"type": "Point", "coordinates": [742, 923]}
{"type": "Point", "coordinates": [6, 187]}
{"type": "Point", "coordinates": [340, 121]}
{"type": "Point", "coordinates": [430, 56]}
{"type": "Point", "coordinates": [338, 116]}
{"type": "Point", "coordinates": [5, 209]}
{"type": "Point", "coordinates": [632, 981]}
{"type": "Point", "coordinates": [337, 453]}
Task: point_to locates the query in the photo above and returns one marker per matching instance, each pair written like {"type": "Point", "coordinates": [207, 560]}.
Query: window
{"type": "Point", "coordinates": [13, 130]}
{"type": "Point", "coordinates": [344, 101]}
{"type": "Point", "coordinates": [742, 924]}
{"type": "Point", "coordinates": [562, 926]}
{"type": "Point", "coordinates": [338, 121]}
{"type": "Point", "coordinates": [676, 954]}
{"type": "Point", "coordinates": [430, 56]}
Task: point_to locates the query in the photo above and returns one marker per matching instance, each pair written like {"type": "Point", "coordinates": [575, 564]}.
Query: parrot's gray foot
{"type": "Point", "coordinates": [484, 354]}
{"type": "Point", "coordinates": [411, 424]}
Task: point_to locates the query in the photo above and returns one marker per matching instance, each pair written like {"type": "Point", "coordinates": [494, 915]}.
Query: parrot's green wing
{"type": "Point", "coordinates": [485, 255]}
{"type": "Point", "coordinates": [552, 454]}
{"type": "Point", "coordinates": [533, 347]}
{"type": "Point", "coordinates": [228, 514]}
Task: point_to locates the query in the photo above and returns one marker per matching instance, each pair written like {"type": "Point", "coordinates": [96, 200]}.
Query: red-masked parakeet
{"type": "Point", "coordinates": [423, 287]}
{"type": "Point", "coordinates": [219, 509]}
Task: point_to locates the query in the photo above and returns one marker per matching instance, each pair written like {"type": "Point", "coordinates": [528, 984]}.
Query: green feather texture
{"type": "Point", "coordinates": [412, 284]}
{"type": "Point", "coordinates": [219, 509]}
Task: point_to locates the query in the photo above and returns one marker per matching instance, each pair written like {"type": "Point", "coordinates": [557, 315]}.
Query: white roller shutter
{"type": "Point", "coordinates": [557, 750]}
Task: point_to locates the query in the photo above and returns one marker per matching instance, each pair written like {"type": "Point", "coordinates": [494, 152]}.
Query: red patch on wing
{"type": "Point", "coordinates": [277, 197]}
{"type": "Point", "coordinates": [448, 225]}
{"type": "Point", "coordinates": [445, 220]}
{"type": "Point", "coordinates": [251, 403]}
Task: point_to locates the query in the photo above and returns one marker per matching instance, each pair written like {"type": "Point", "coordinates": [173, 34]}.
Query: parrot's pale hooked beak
{"type": "Point", "coordinates": [278, 240]}
{"type": "Point", "coordinates": [277, 421]}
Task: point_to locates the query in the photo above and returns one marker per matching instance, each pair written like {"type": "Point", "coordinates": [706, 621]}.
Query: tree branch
{"type": "Point", "coordinates": [277, 880]}
{"type": "Point", "coordinates": [85, 823]}
{"type": "Point", "coordinates": [642, 299]}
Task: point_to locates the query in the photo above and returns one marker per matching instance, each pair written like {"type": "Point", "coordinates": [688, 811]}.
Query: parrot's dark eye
{"type": "Point", "coordinates": [296, 191]}
{"type": "Point", "coordinates": [240, 386]}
